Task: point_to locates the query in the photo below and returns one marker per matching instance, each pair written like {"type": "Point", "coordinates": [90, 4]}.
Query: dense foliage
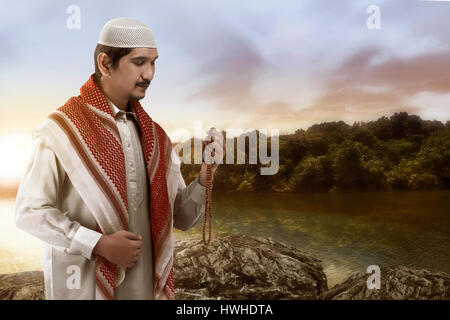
{"type": "Point", "coordinates": [402, 152]}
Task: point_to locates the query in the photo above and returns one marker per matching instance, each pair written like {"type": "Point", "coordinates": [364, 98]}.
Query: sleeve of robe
{"type": "Point", "coordinates": [189, 204]}
{"type": "Point", "coordinates": [37, 212]}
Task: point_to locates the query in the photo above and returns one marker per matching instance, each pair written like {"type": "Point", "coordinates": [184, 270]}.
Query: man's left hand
{"type": "Point", "coordinates": [213, 143]}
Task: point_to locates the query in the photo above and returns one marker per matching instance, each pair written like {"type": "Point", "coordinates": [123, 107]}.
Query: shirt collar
{"type": "Point", "coordinates": [117, 111]}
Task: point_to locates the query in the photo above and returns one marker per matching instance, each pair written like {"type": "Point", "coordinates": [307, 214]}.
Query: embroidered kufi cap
{"type": "Point", "coordinates": [126, 33]}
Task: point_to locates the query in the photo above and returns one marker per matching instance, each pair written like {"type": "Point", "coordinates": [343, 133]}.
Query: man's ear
{"type": "Point", "coordinates": [104, 64]}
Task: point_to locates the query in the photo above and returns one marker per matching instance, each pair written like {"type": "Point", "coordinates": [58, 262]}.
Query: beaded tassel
{"type": "Point", "coordinates": [208, 200]}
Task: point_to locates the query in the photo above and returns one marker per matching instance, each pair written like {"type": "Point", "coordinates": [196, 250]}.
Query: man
{"type": "Point", "coordinates": [103, 187]}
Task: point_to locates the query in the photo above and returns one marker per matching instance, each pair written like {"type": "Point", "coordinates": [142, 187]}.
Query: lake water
{"type": "Point", "coordinates": [347, 231]}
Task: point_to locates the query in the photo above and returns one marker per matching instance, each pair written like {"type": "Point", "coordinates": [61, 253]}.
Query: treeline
{"type": "Point", "coordinates": [402, 152]}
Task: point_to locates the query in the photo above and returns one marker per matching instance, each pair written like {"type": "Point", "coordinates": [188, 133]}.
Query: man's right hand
{"type": "Point", "coordinates": [121, 248]}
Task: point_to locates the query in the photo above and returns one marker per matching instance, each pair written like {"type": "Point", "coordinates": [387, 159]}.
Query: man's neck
{"type": "Point", "coordinates": [118, 102]}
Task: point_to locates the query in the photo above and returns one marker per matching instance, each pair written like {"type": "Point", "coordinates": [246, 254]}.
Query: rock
{"type": "Point", "coordinates": [397, 283]}
{"type": "Point", "coordinates": [245, 267]}
{"type": "Point", "coordinates": [22, 286]}
{"type": "Point", "coordinates": [231, 267]}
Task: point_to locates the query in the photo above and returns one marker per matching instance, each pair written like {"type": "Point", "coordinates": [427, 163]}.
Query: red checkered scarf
{"type": "Point", "coordinates": [88, 121]}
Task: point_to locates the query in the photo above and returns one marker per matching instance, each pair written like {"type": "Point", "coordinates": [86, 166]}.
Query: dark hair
{"type": "Point", "coordinates": [115, 54]}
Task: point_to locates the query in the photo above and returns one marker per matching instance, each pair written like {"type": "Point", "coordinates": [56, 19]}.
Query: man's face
{"type": "Point", "coordinates": [132, 76]}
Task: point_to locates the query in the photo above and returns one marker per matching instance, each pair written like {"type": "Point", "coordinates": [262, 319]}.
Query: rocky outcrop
{"type": "Point", "coordinates": [396, 283]}
{"type": "Point", "coordinates": [245, 267]}
{"type": "Point", "coordinates": [22, 286]}
{"type": "Point", "coordinates": [231, 267]}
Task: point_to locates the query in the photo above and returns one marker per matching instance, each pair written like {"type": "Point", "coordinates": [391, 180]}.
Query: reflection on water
{"type": "Point", "coordinates": [347, 231]}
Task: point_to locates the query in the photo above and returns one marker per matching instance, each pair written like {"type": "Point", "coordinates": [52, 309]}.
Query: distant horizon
{"type": "Point", "coordinates": [232, 64]}
{"type": "Point", "coordinates": [10, 190]}
{"type": "Point", "coordinates": [314, 61]}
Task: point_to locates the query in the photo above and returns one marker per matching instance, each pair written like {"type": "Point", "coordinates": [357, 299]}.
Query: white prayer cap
{"type": "Point", "coordinates": [126, 33]}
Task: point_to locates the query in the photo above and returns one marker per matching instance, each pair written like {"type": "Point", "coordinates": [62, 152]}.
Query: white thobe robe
{"type": "Point", "coordinates": [49, 207]}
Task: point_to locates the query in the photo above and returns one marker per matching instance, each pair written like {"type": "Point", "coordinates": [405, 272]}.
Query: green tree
{"type": "Point", "coordinates": [374, 176]}
{"type": "Point", "coordinates": [312, 174]}
{"type": "Point", "coordinates": [434, 157]}
{"type": "Point", "coordinates": [348, 166]}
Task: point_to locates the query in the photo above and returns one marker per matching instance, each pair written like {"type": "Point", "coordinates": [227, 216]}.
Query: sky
{"type": "Point", "coordinates": [236, 64]}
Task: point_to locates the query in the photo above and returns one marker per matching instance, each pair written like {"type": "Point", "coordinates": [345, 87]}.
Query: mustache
{"type": "Point", "coordinates": [143, 83]}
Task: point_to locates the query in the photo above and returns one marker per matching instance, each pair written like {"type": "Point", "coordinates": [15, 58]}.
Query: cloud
{"type": "Point", "coordinates": [371, 83]}
{"type": "Point", "coordinates": [404, 75]}
{"type": "Point", "coordinates": [355, 105]}
{"type": "Point", "coordinates": [355, 98]}
{"type": "Point", "coordinates": [231, 65]}
{"type": "Point", "coordinates": [366, 85]}
{"type": "Point", "coordinates": [347, 105]}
